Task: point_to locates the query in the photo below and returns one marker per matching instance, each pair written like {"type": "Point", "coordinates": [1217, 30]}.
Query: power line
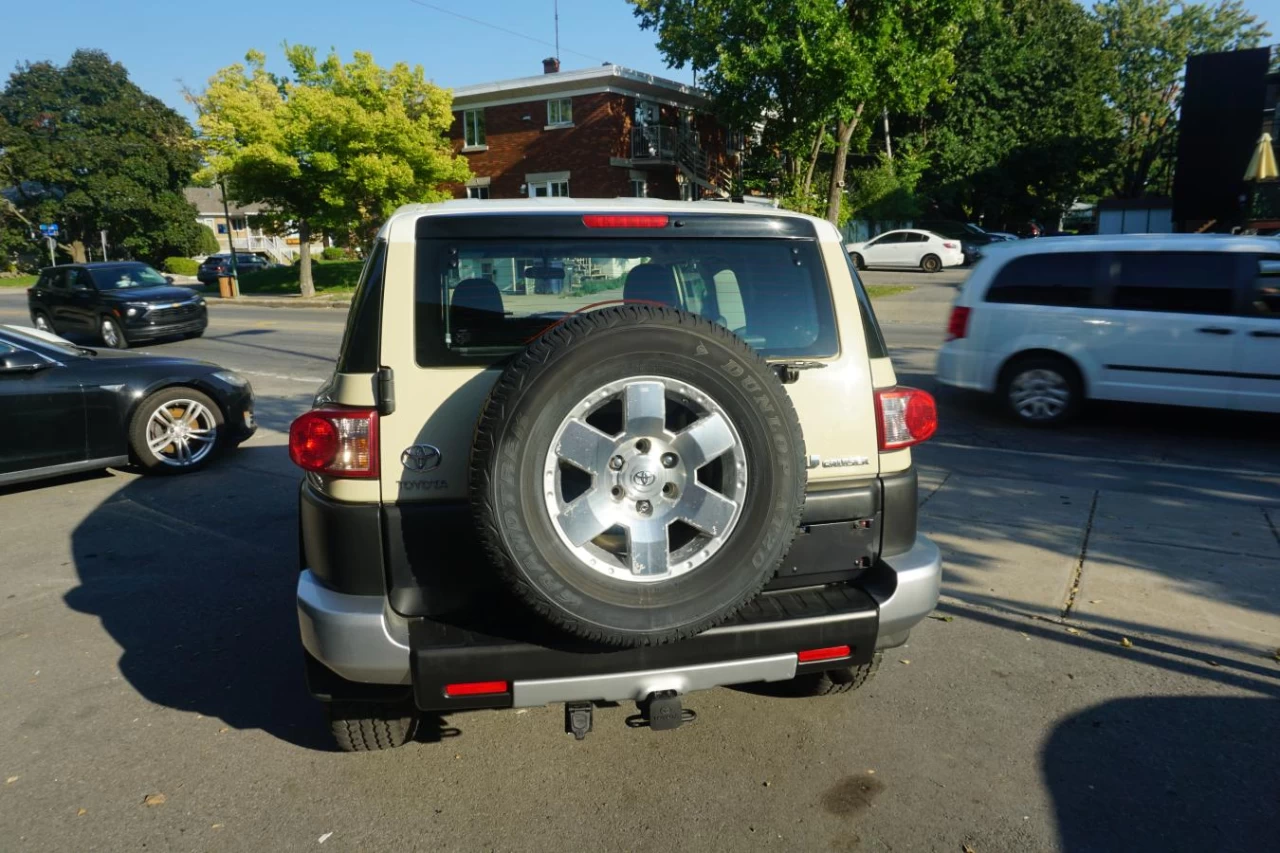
{"type": "Point", "coordinates": [524, 36]}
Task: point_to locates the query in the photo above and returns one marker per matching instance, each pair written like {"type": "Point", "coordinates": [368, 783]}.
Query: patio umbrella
{"type": "Point", "coordinates": [1262, 166]}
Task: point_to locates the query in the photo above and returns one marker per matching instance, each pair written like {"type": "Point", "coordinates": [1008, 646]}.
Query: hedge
{"type": "Point", "coordinates": [334, 253]}
{"type": "Point", "coordinates": [181, 266]}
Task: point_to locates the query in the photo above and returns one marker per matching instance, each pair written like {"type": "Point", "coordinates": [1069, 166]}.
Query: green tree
{"type": "Point", "coordinates": [1027, 129]}
{"type": "Point", "coordinates": [1148, 42]}
{"type": "Point", "coordinates": [83, 147]}
{"type": "Point", "coordinates": [811, 68]}
{"type": "Point", "coordinates": [207, 244]}
{"type": "Point", "coordinates": [335, 148]}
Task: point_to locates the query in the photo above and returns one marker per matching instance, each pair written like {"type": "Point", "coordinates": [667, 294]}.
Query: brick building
{"type": "Point", "coordinates": [594, 133]}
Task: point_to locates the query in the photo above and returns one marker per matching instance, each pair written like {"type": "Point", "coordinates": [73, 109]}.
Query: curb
{"type": "Point", "coordinates": [255, 302]}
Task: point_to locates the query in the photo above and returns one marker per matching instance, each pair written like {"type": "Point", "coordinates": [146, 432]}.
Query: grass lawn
{"type": "Point", "coordinates": [17, 281]}
{"type": "Point", "coordinates": [329, 277]}
{"type": "Point", "coordinates": [879, 291]}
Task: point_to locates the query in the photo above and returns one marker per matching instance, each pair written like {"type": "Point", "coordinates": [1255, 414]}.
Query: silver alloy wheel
{"type": "Point", "coordinates": [1040, 394]}
{"type": "Point", "coordinates": [181, 432]}
{"type": "Point", "coordinates": [110, 333]}
{"type": "Point", "coordinates": [41, 323]}
{"type": "Point", "coordinates": [644, 479]}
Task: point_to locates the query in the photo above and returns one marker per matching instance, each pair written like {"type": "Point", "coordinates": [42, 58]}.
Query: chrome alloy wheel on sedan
{"type": "Point", "coordinates": [181, 433]}
{"type": "Point", "coordinates": [645, 479]}
{"type": "Point", "coordinates": [1039, 394]}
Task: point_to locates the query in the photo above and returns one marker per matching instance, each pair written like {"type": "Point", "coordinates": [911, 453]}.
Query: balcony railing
{"type": "Point", "coordinates": [655, 143]}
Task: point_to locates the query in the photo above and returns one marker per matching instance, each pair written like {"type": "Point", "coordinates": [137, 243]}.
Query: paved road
{"type": "Point", "coordinates": [147, 646]}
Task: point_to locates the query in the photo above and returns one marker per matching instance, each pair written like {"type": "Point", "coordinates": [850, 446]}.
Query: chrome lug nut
{"type": "Point", "coordinates": [615, 463]}
{"type": "Point", "coordinates": [670, 460]}
{"type": "Point", "coordinates": [644, 508]}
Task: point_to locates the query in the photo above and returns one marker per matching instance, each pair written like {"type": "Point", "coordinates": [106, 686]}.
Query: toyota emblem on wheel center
{"type": "Point", "coordinates": [643, 478]}
{"type": "Point", "coordinates": [421, 457]}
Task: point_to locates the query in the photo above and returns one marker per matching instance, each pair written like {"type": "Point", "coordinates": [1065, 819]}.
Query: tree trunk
{"type": "Point", "coordinates": [844, 133]}
{"type": "Point", "coordinates": [305, 283]}
{"type": "Point", "coordinates": [76, 250]}
{"type": "Point", "coordinates": [813, 161]}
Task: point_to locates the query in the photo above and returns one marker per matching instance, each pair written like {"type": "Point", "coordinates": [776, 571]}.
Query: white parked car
{"type": "Point", "coordinates": [908, 247]}
{"type": "Point", "coordinates": [1178, 319]}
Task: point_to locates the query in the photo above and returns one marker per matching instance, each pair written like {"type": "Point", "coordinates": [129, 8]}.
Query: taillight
{"type": "Point", "coordinates": [958, 325]}
{"type": "Point", "coordinates": [593, 220]}
{"type": "Point", "coordinates": [950, 244]}
{"type": "Point", "coordinates": [336, 442]}
{"type": "Point", "coordinates": [904, 416]}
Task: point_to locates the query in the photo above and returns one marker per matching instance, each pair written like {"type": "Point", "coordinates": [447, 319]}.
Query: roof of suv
{"type": "Point", "coordinates": [593, 205]}
{"type": "Point", "coordinates": [1133, 243]}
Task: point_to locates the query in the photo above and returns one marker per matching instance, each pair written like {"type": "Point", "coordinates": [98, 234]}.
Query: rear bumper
{"type": "Point", "coordinates": [361, 639]}
{"type": "Point", "coordinates": [962, 367]}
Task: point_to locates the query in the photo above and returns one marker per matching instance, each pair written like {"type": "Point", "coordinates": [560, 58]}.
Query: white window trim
{"type": "Point", "coordinates": [466, 126]}
{"type": "Point", "coordinates": [556, 125]}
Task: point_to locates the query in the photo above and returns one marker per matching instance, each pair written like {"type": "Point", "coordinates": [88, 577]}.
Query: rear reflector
{"type": "Point", "coordinates": [646, 221]}
{"type": "Point", "coordinates": [829, 653]}
{"type": "Point", "coordinates": [475, 688]}
{"type": "Point", "coordinates": [958, 325]}
{"type": "Point", "coordinates": [904, 416]}
{"type": "Point", "coordinates": [336, 442]}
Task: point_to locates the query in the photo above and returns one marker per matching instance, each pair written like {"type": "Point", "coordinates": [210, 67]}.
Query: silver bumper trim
{"type": "Point", "coordinates": [919, 583]}
{"type": "Point", "coordinates": [624, 686]}
{"type": "Point", "coordinates": [353, 635]}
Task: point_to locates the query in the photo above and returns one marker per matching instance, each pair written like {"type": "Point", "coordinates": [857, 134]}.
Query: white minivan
{"type": "Point", "coordinates": [1178, 319]}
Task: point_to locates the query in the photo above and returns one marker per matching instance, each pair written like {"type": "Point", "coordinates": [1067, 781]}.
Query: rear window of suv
{"type": "Point", "coordinates": [483, 299]}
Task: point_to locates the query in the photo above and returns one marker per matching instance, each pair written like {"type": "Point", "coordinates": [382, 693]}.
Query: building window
{"type": "Point", "coordinates": [560, 111]}
{"type": "Point", "coordinates": [473, 128]}
{"type": "Point", "coordinates": [553, 189]}
{"type": "Point", "coordinates": [478, 192]}
{"type": "Point", "coordinates": [639, 188]}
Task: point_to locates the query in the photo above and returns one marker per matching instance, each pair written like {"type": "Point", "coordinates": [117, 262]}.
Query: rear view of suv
{"type": "Point", "coordinates": [1179, 319]}
{"type": "Point", "coordinates": [585, 451]}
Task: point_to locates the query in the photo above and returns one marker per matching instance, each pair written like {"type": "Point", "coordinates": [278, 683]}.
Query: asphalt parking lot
{"type": "Point", "coordinates": [1101, 674]}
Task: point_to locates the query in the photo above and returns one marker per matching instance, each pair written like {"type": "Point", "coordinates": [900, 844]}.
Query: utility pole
{"type": "Point", "coordinates": [231, 241]}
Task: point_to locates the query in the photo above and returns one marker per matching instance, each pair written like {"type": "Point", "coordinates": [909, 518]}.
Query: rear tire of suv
{"type": "Point", "coordinates": [371, 726]}
{"type": "Point", "coordinates": [645, 527]}
{"type": "Point", "coordinates": [1041, 390]}
{"type": "Point", "coordinates": [930, 263]}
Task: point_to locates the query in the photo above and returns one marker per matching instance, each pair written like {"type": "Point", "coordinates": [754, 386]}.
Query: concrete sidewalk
{"type": "Point", "coordinates": [1167, 573]}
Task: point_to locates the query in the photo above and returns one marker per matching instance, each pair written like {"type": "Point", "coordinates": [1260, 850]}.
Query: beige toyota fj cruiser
{"type": "Point", "coordinates": [578, 451]}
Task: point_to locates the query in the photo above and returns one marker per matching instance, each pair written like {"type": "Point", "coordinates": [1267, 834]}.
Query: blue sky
{"type": "Point", "coordinates": [165, 43]}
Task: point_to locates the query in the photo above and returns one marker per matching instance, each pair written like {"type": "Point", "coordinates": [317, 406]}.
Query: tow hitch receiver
{"type": "Point", "coordinates": [661, 711]}
{"type": "Point", "coordinates": [577, 719]}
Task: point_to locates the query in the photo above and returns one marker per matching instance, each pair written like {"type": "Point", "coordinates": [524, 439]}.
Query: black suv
{"type": "Point", "coordinates": [118, 303]}
{"type": "Point", "coordinates": [218, 266]}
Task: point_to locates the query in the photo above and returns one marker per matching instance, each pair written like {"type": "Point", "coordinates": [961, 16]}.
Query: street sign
{"type": "Point", "coordinates": [49, 230]}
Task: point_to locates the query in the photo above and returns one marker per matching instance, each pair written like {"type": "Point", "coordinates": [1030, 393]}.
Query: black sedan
{"type": "Point", "coordinates": [215, 267]}
{"type": "Point", "coordinates": [66, 408]}
{"type": "Point", "coordinates": [116, 303]}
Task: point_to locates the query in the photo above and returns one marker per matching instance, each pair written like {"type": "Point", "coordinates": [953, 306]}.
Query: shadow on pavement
{"type": "Point", "coordinates": [194, 578]}
{"type": "Point", "coordinates": [1167, 773]}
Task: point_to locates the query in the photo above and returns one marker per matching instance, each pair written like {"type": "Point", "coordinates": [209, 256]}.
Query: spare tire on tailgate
{"type": "Point", "coordinates": [638, 473]}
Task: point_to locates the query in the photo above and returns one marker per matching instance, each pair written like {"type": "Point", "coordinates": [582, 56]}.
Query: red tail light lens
{"type": "Point", "coordinates": [950, 244]}
{"type": "Point", "coordinates": [958, 325]}
{"type": "Point", "coordinates": [336, 442]}
{"type": "Point", "coordinates": [643, 221]}
{"type": "Point", "coordinates": [475, 688]}
{"type": "Point", "coordinates": [829, 653]}
{"type": "Point", "coordinates": [905, 416]}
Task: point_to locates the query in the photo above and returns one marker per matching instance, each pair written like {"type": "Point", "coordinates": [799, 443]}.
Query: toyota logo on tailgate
{"type": "Point", "coordinates": [421, 457]}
